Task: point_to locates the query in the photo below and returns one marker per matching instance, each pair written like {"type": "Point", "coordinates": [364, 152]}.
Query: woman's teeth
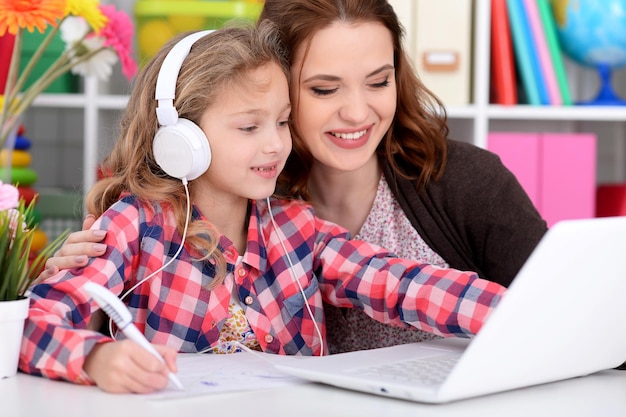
{"type": "Point", "coordinates": [350, 136]}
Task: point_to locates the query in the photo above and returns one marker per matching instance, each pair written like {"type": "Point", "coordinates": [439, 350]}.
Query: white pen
{"type": "Point", "coordinates": [120, 314]}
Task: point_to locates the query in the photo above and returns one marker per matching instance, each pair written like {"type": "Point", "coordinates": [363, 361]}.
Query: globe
{"type": "Point", "coordinates": [593, 34]}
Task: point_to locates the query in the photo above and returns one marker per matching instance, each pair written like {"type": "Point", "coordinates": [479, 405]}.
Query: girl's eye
{"type": "Point", "coordinates": [322, 91]}
{"type": "Point", "coordinates": [282, 123]}
{"type": "Point", "coordinates": [248, 129]}
{"type": "Point", "coordinates": [383, 84]}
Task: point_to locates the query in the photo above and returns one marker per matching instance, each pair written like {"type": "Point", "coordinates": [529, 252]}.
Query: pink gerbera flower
{"type": "Point", "coordinates": [118, 33]}
{"type": "Point", "coordinates": [9, 196]}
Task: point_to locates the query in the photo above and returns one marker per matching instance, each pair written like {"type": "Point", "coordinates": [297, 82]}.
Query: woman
{"type": "Point", "coordinates": [371, 153]}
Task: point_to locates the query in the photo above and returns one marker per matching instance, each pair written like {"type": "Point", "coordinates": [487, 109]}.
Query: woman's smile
{"type": "Point", "coordinates": [350, 140]}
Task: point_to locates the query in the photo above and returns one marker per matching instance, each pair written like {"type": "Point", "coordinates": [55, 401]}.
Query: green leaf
{"type": "Point", "coordinates": [16, 273]}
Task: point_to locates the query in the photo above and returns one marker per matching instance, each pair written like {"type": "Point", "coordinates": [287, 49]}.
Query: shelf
{"type": "Point", "coordinates": [472, 122]}
{"type": "Point", "coordinates": [518, 112]}
{"type": "Point", "coordinates": [79, 101]}
{"type": "Point", "coordinates": [461, 112]}
{"type": "Point", "coordinates": [526, 112]}
{"type": "Point", "coordinates": [577, 113]}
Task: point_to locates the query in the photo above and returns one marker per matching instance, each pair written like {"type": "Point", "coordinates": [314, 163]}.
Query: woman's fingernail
{"type": "Point", "coordinates": [99, 233]}
{"type": "Point", "coordinates": [90, 216]}
{"type": "Point", "coordinates": [80, 258]}
{"type": "Point", "coordinates": [99, 247]}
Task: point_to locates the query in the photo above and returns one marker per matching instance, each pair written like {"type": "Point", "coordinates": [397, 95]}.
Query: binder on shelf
{"type": "Point", "coordinates": [549, 26]}
{"type": "Point", "coordinates": [534, 55]}
{"type": "Point", "coordinates": [543, 53]}
{"type": "Point", "coordinates": [611, 200]}
{"type": "Point", "coordinates": [443, 34]}
{"type": "Point", "coordinates": [524, 53]}
{"type": "Point", "coordinates": [519, 152]}
{"type": "Point", "coordinates": [503, 76]}
{"type": "Point", "coordinates": [568, 176]}
{"type": "Point", "coordinates": [405, 13]}
{"type": "Point", "coordinates": [557, 170]}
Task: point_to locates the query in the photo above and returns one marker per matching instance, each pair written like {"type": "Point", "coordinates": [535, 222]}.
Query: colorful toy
{"type": "Point", "coordinates": [15, 165]}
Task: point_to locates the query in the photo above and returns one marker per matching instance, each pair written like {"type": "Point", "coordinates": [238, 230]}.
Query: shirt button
{"type": "Point", "coordinates": [269, 338]}
{"type": "Point", "coordinates": [248, 300]}
{"type": "Point", "coordinates": [241, 272]}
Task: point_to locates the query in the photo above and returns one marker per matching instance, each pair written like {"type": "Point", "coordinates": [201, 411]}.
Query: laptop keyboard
{"type": "Point", "coordinates": [432, 371]}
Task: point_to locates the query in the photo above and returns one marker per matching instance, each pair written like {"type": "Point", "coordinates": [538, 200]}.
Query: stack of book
{"type": "Point", "coordinates": [525, 52]}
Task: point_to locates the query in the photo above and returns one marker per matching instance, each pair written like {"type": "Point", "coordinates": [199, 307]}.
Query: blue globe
{"type": "Point", "coordinates": [593, 34]}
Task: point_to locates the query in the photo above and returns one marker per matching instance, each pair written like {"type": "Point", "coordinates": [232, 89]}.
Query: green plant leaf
{"type": "Point", "coordinates": [16, 272]}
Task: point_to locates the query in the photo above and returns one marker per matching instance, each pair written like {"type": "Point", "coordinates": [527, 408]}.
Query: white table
{"type": "Point", "coordinates": [599, 395]}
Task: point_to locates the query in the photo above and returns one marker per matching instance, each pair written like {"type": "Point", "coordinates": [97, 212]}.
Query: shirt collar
{"type": "Point", "coordinates": [256, 251]}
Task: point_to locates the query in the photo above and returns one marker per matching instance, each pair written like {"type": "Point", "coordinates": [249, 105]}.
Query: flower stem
{"type": "Point", "coordinates": [35, 58]}
{"type": "Point", "coordinates": [12, 108]}
{"type": "Point", "coordinates": [61, 66]}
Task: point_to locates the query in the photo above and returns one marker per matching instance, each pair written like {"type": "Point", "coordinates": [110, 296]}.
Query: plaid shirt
{"type": "Point", "coordinates": [175, 308]}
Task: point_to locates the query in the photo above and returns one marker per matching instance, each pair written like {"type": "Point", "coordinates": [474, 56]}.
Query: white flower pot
{"type": "Point", "coordinates": [12, 316]}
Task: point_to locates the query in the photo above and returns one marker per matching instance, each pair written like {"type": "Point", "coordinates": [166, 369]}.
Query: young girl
{"type": "Point", "coordinates": [249, 268]}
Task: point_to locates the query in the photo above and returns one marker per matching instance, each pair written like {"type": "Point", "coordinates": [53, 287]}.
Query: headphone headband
{"type": "Point", "coordinates": [180, 147]}
{"type": "Point", "coordinates": [166, 82]}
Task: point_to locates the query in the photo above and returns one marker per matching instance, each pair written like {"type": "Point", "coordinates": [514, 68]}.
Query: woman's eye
{"type": "Point", "coordinates": [323, 91]}
{"type": "Point", "coordinates": [383, 84]}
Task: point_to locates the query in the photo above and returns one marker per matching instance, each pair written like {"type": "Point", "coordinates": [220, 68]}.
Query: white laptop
{"type": "Point", "coordinates": [564, 316]}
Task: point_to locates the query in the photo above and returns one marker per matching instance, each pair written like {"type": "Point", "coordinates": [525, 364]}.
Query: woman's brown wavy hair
{"type": "Point", "coordinates": [417, 137]}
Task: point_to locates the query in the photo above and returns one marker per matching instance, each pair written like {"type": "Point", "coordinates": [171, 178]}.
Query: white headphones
{"type": "Point", "coordinates": [180, 147]}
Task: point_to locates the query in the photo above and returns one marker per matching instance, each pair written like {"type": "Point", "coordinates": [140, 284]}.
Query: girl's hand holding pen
{"type": "Point", "coordinates": [125, 367]}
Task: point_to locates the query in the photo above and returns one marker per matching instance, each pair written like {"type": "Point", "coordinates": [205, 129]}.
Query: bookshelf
{"type": "Point", "coordinates": [93, 106]}
{"type": "Point", "coordinates": [474, 121]}
{"type": "Point", "coordinates": [99, 104]}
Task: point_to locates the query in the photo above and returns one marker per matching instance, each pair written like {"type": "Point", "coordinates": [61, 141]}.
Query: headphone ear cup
{"type": "Point", "coordinates": [182, 150]}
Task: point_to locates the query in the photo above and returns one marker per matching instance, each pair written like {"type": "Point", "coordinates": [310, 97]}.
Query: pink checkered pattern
{"type": "Point", "coordinates": [174, 307]}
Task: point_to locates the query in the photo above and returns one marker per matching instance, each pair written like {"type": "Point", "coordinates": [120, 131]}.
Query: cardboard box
{"type": "Point", "coordinates": [443, 48]}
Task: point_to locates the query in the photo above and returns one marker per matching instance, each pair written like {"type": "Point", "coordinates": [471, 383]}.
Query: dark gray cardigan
{"type": "Point", "coordinates": [477, 216]}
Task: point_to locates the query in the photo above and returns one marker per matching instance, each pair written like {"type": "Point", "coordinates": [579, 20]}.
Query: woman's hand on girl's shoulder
{"type": "Point", "coordinates": [76, 251]}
